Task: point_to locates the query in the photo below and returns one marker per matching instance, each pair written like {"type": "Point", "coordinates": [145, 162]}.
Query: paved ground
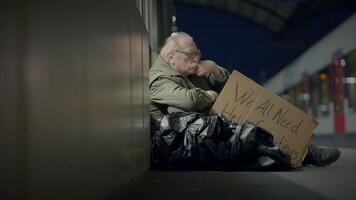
{"type": "Point", "coordinates": [337, 181]}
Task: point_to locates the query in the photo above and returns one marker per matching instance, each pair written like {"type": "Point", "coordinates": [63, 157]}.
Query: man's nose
{"type": "Point", "coordinates": [194, 65]}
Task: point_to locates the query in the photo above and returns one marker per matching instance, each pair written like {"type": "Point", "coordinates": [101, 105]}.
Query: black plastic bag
{"type": "Point", "coordinates": [190, 140]}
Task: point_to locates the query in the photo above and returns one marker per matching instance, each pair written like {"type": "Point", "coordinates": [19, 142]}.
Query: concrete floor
{"type": "Point", "coordinates": [337, 181]}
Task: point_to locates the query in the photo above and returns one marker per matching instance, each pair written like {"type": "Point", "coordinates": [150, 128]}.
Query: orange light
{"type": "Point", "coordinates": [323, 76]}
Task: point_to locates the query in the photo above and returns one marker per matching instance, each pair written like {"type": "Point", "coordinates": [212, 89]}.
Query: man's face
{"type": "Point", "coordinates": [186, 58]}
{"type": "Point", "coordinates": [187, 61]}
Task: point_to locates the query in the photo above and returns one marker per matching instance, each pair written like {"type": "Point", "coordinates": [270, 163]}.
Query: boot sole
{"type": "Point", "coordinates": [329, 162]}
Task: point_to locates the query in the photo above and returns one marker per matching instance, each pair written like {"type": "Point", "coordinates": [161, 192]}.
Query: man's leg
{"type": "Point", "coordinates": [321, 156]}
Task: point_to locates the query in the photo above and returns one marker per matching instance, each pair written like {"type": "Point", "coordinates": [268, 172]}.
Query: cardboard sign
{"type": "Point", "coordinates": [243, 100]}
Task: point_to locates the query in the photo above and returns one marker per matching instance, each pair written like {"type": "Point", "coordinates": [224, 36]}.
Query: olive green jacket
{"type": "Point", "coordinates": [169, 88]}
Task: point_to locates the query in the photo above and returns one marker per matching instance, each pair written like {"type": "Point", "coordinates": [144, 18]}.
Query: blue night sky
{"type": "Point", "coordinates": [236, 43]}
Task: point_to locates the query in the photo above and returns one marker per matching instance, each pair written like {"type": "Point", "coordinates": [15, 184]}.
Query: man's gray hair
{"type": "Point", "coordinates": [172, 44]}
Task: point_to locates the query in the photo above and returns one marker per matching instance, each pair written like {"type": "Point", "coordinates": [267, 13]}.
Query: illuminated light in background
{"type": "Point", "coordinates": [304, 96]}
{"type": "Point", "coordinates": [174, 19]}
{"type": "Point", "coordinates": [323, 108]}
{"type": "Point", "coordinates": [350, 80]}
{"type": "Point", "coordinates": [323, 76]}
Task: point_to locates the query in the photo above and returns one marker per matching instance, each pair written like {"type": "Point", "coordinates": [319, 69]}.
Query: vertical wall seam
{"type": "Point", "coordinates": [84, 93]}
{"type": "Point", "coordinates": [23, 153]}
{"type": "Point", "coordinates": [131, 88]}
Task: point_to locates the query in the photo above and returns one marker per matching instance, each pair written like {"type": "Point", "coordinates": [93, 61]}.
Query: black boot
{"type": "Point", "coordinates": [321, 156]}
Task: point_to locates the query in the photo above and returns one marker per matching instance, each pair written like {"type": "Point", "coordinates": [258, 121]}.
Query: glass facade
{"type": "Point", "coordinates": [335, 83]}
{"type": "Point", "coordinates": [350, 80]}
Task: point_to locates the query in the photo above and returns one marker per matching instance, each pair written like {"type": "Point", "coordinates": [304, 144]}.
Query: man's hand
{"type": "Point", "coordinates": [206, 67]}
{"type": "Point", "coordinates": [213, 95]}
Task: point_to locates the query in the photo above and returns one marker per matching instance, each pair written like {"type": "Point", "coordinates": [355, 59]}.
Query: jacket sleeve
{"type": "Point", "coordinates": [168, 92]}
{"type": "Point", "coordinates": [218, 84]}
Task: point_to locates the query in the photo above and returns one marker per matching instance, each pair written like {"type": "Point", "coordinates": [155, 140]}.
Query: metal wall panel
{"type": "Point", "coordinates": [12, 102]}
{"type": "Point", "coordinates": [74, 118]}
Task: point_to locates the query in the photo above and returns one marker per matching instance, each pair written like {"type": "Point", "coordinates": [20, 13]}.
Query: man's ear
{"type": "Point", "coordinates": [171, 59]}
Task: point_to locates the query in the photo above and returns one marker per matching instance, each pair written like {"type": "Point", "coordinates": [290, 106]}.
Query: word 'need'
{"type": "Point", "coordinates": [241, 104]}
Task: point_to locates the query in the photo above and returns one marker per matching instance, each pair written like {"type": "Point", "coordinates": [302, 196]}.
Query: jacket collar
{"type": "Point", "coordinates": [163, 66]}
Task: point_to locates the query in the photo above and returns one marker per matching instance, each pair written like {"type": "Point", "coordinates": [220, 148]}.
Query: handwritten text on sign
{"type": "Point", "coordinates": [267, 109]}
{"type": "Point", "coordinates": [244, 100]}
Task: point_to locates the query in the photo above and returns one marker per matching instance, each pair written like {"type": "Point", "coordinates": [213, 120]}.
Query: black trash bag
{"type": "Point", "coordinates": [190, 140]}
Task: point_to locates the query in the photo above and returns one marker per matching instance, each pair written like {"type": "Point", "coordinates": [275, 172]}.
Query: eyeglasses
{"type": "Point", "coordinates": [191, 53]}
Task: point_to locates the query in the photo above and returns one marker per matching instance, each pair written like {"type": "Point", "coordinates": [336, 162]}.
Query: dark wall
{"type": "Point", "coordinates": [74, 121]}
